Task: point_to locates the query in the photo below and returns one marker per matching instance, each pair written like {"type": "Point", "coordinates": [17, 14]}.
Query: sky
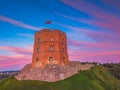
{"type": "Point", "coordinates": [92, 28]}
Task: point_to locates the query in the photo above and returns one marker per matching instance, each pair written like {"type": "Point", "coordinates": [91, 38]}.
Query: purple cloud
{"type": "Point", "coordinates": [19, 57]}
{"type": "Point", "coordinates": [111, 56]}
{"type": "Point", "coordinates": [103, 19]}
{"type": "Point", "coordinates": [17, 50]}
{"type": "Point", "coordinates": [113, 3]}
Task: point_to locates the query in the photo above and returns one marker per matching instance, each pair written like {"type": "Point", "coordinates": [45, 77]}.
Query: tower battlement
{"type": "Point", "coordinates": [50, 47]}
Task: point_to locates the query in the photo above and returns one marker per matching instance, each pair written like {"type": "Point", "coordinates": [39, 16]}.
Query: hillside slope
{"type": "Point", "coordinates": [97, 78]}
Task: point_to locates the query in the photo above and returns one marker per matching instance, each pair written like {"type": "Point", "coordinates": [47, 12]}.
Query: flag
{"type": "Point", "coordinates": [48, 22]}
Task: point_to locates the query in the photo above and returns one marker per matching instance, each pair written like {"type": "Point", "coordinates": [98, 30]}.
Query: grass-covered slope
{"type": "Point", "coordinates": [97, 78]}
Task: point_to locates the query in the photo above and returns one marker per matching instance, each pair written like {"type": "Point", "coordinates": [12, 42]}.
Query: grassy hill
{"type": "Point", "coordinates": [97, 78]}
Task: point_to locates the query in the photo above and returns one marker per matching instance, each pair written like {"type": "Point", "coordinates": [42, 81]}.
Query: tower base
{"type": "Point", "coordinates": [51, 73]}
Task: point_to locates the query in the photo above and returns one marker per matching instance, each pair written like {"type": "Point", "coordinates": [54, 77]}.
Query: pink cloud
{"type": "Point", "coordinates": [19, 58]}
{"type": "Point", "coordinates": [81, 5]}
{"type": "Point", "coordinates": [86, 44]}
{"type": "Point", "coordinates": [112, 22]}
{"type": "Point", "coordinates": [17, 23]}
{"type": "Point", "coordinates": [103, 52]}
{"type": "Point", "coordinates": [101, 56]}
{"type": "Point", "coordinates": [15, 57]}
{"type": "Point", "coordinates": [27, 51]}
{"type": "Point", "coordinates": [93, 46]}
{"type": "Point", "coordinates": [13, 62]}
{"type": "Point", "coordinates": [115, 3]}
{"type": "Point", "coordinates": [88, 8]}
{"type": "Point", "coordinates": [100, 36]}
{"type": "Point", "coordinates": [102, 59]}
{"type": "Point", "coordinates": [85, 53]}
{"type": "Point", "coordinates": [104, 20]}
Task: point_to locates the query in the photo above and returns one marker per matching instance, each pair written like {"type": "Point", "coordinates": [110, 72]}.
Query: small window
{"type": "Point", "coordinates": [51, 59]}
{"type": "Point", "coordinates": [37, 59]}
{"type": "Point", "coordinates": [51, 48]}
{"type": "Point", "coordinates": [38, 40]}
{"type": "Point", "coordinates": [38, 50]}
{"type": "Point", "coordinates": [51, 38]}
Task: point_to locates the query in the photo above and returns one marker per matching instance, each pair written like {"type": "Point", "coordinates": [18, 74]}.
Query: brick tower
{"type": "Point", "coordinates": [50, 47]}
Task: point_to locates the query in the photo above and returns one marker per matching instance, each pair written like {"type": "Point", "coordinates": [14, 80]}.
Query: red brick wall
{"type": "Point", "coordinates": [43, 53]}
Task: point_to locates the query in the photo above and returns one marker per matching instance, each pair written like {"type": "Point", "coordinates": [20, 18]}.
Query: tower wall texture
{"type": "Point", "coordinates": [50, 47]}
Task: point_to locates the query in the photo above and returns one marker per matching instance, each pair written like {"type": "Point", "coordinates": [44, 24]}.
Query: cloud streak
{"type": "Point", "coordinates": [115, 3]}
{"type": "Point", "coordinates": [97, 35]}
{"type": "Point", "coordinates": [102, 18]}
{"type": "Point", "coordinates": [18, 23]}
{"type": "Point", "coordinates": [26, 51]}
{"type": "Point", "coordinates": [101, 56]}
{"type": "Point", "coordinates": [26, 35]}
{"type": "Point", "coordinates": [13, 62]}
{"type": "Point", "coordinates": [19, 57]}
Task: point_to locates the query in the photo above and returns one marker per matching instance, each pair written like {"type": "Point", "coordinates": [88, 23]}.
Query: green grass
{"type": "Point", "coordinates": [97, 78]}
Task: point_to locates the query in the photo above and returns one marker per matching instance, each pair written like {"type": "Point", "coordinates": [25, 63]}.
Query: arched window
{"type": "Point", "coordinates": [38, 50]}
{"type": "Point", "coordinates": [50, 58]}
{"type": "Point", "coordinates": [38, 40]}
{"type": "Point", "coordinates": [51, 48]}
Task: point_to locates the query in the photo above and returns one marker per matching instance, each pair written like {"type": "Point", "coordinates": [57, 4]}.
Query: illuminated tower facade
{"type": "Point", "coordinates": [50, 47]}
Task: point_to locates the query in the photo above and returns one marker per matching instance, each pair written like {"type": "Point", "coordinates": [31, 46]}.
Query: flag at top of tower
{"type": "Point", "coordinates": [48, 22]}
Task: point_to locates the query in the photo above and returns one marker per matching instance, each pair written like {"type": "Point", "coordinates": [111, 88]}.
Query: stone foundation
{"type": "Point", "coordinates": [51, 73]}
